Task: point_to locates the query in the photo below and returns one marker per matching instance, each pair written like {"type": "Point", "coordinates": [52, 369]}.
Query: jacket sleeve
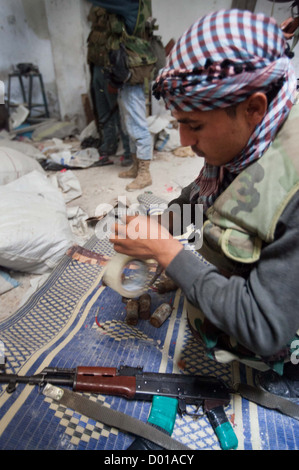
{"type": "Point", "coordinates": [184, 197]}
{"type": "Point", "coordinates": [182, 219]}
{"type": "Point", "coordinates": [262, 311]}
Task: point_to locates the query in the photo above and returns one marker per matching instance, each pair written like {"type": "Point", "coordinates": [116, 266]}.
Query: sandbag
{"type": "Point", "coordinates": [34, 229]}
{"type": "Point", "coordinates": [14, 164]}
{"type": "Point", "coordinates": [24, 148]}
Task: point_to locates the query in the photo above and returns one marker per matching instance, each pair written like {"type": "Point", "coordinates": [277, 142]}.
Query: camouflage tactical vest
{"type": "Point", "coordinates": [108, 31]}
{"type": "Point", "coordinates": [238, 224]}
{"type": "Point", "coordinates": [140, 56]}
{"type": "Point", "coordinates": [97, 40]}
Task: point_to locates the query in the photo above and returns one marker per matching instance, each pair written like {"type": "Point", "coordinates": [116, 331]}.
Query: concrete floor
{"type": "Point", "coordinates": [170, 174]}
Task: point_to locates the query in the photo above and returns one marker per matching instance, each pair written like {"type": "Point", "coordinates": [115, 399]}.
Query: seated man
{"type": "Point", "coordinates": [232, 88]}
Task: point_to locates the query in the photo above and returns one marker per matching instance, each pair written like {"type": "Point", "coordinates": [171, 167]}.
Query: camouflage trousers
{"type": "Point", "coordinates": [224, 348]}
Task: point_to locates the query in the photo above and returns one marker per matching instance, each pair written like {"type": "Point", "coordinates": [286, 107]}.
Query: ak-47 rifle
{"type": "Point", "coordinates": [132, 383]}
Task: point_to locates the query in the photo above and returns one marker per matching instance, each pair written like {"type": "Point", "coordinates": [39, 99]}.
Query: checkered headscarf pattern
{"type": "Point", "coordinates": [218, 62]}
{"type": "Point", "coordinates": [221, 59]}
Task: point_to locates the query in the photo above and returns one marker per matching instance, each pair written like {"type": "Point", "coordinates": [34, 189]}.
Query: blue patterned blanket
{"type": "Point", "coordinates": [74, 320]}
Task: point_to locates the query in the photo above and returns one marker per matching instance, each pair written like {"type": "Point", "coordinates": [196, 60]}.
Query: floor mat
{"type": "Point", "coordinates": [74, 320]}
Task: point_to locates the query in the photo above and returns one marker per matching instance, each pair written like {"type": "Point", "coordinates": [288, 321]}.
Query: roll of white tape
{"type": "Point", "coordinates": [132, 285]}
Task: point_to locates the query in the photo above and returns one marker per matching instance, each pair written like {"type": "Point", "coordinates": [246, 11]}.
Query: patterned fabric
{"type": "Point", "coordinates": [219, 61]}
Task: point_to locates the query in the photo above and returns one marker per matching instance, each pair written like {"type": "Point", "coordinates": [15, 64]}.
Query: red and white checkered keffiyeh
{"type": "Point", "coordinates": [218, 62]}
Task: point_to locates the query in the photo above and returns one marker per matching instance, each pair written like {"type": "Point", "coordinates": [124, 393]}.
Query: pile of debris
{"type": "Point", "coordinates": [37, 181]}
{"type": "Point", "coordinates": [36, 225]}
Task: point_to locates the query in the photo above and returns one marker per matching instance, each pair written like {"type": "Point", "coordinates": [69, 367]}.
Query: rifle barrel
{"type": "Point", "coordinates": [38, 379]}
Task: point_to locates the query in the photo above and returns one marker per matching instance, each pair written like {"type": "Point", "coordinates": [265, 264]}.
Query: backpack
{"type": "Point", "coordinates": [134, 58]}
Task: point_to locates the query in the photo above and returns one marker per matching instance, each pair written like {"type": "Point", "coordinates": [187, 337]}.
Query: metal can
{"type": "Point", "coordinates": [160, 315]}
{"type": "Point", "coordinates": [166, 285]}
{"type": "Point", "coordinates": [132, 312]}
{"type": "Point", "coordinates": [145, 306]}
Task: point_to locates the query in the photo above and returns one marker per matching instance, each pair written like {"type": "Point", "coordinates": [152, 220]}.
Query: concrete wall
{"type": "Point", "coordinates": [25, 37]}
{"type": "Point", "coordinates": [52, 34]}
{"type": "Point", "coordinates": [280, 11]}
{"type": "Point", "coordinates": [68, 27]}
{"type": "Point", "coordinates": [175, 16]}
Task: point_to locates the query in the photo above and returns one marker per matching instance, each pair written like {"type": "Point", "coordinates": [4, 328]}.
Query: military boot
{"type": "Point", "coordinates": [131, 172]}
{"type": "Point", "coordinates": [143, 178]}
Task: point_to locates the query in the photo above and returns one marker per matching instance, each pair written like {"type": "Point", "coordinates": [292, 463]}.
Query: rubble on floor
{"type": "Point", "coordinates": [39, 219]}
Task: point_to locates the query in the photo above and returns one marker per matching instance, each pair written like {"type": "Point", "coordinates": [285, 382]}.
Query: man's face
{"type": "Point", "coordinates": [215, 135]}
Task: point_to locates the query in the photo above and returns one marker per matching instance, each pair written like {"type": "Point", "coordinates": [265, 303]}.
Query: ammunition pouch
{"type": "Point", "coordinates": [131, 61]}
{"type": "Point", "coordinates": [118, 71]}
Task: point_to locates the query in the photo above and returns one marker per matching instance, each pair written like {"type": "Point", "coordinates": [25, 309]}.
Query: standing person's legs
{"type": "Point", "coordinates": [124, 138]}
{"type": "Point", "coordinates": [133, 113]}
{"type": "Point", "coordinates": [104, 102]}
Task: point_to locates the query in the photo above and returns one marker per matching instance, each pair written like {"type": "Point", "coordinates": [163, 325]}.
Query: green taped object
{"type": "Point", "coordinates": [227, 437]}
{"type": "Point", "coordinates": [163, 412]}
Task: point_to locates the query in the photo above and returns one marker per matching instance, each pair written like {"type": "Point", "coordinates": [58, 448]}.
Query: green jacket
{"type": "Point", "coordinates": [245, 215]}
{"type": "Point", "coordinates": [98, 53]}
{"type": "Point", "coordinates": [241, 222]}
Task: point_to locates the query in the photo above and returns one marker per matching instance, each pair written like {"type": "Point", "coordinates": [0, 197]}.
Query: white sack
{"type": "Point", "coordinates": [34, 228]}
{"type": "Point", "coordinates": [14, 164]}
{"type": "Point", "coordinates": [23, 147]}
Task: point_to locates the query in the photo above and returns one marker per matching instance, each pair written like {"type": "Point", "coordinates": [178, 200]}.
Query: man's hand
{"type": "Point", "coordinates": [145, 238]}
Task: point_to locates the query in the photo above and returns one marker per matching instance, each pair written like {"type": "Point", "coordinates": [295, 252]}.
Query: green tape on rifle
{"type": "Point", "coordinates": [163, 412]}
{"type": "Point", "coordinates": [223, 428]}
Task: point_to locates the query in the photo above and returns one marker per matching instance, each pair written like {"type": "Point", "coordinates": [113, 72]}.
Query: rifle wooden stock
{"type": "Point", "coordinates": [133, 383]}
{"type": "Point", "coordinates": [104, 380]}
